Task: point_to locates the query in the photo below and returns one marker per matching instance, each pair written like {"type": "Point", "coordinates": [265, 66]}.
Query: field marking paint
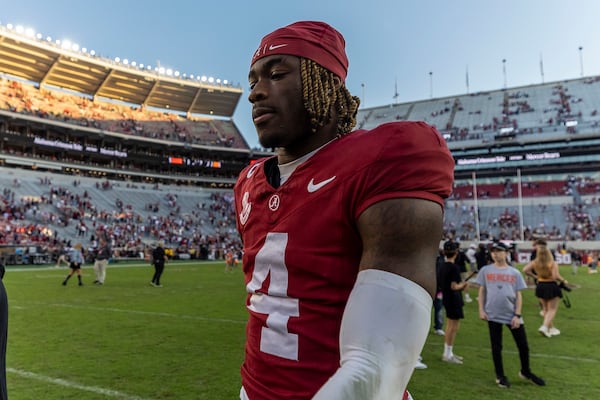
{"type": "Point", "coordinates": [144, 264]}
{"type": "Point", "coordinates": [554, 356]}
{"type": "Point", "coordinates": [152, 313]}
{"type": "Point", "coordinates": [74, 385]}
{"type": "Point", "coordinates": [535, 355]}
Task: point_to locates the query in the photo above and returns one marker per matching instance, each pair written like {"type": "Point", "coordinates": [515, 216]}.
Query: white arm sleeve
{"type": "Point", "coordinates": [384, 328]}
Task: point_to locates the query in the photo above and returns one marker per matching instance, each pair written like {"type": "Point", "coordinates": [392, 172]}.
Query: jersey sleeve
{"type": "Point", "coordinates": [408, 160]}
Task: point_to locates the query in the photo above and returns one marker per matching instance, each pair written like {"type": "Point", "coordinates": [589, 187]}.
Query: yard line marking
{"type": "Point", "coordinates": [553, 356]}
{"type": "Point", "coordinates": [74, 385]}
{"type": "Point", "coordinates": [146, 264]}
{"type": "Point", "coordinates": [152, 313]}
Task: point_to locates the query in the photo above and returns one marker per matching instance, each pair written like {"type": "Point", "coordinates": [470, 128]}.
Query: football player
{"type": "Point", "coordinates": [340, 230]}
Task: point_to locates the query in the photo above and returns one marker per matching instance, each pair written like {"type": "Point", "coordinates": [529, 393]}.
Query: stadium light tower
{"type": "Point", "coordinates": [581, 59]}
{"type": "Point", "coordinates": [430, 84]}
{"type": "Point", "coordinates": [363, 93]}
{"type": "Point", "coordinates": [504, 71]}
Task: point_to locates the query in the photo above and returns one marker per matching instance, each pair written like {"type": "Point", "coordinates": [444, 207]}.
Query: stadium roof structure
{"type": "Point", "coordinates": [47, 64]}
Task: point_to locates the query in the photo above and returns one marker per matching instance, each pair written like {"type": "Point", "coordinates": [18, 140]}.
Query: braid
{"type": "Point", "coordinates": [319, 95]}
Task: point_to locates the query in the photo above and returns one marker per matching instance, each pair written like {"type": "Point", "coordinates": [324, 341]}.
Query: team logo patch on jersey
{"type": "Point", "coordinates": [274, 202]}
{"type": "Point", "coordinates": [246, 207]}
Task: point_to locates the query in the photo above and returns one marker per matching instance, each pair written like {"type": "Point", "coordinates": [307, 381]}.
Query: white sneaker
{"type": "Point", "coordinates": [553, 331]}
{"type": "Point", "coordinates": [420, 364]}
{"type": "Point", "coordinates": [452, 359]}
{"type": "Point", "coordinates": [543, 330]}
{"type": "Point", "coordinates": [439, 332]}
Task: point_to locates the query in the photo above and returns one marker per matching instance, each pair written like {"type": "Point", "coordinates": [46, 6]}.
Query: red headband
{"type": "Point", "coordinates": [316, 41]}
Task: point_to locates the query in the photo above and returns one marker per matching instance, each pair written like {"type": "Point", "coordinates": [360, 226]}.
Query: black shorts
{"type": "Point", "coordinates": [547, 290]}
{"type": "Point", "coordinates": [454, 312]}
{"type": "Point", "coordinates": [454, 309]}
{"type": "Point", "coordinates": [74, 265]}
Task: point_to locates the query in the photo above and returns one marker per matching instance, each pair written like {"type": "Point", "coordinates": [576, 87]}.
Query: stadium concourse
{"type": "Point", "coordinates": [91, 145]}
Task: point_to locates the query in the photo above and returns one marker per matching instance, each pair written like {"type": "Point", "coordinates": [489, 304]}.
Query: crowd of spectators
{"type": "Point", "coordinates": [485, 116]}
{"type": "Point", "coordinates": [24, 98]}
{"type": "Point", "coordinates": [576, 218]}
{"type": "Point", "coordinates": [59, 217]}
{"type": "Point", "coordinates": [509, 189]}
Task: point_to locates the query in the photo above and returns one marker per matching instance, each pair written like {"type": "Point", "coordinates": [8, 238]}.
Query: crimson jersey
{"type": "Point", "coordinates": [302, 247]}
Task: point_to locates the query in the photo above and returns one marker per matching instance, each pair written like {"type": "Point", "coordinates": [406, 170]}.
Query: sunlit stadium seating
{"type": "Point", "coordinates": [24, 98]}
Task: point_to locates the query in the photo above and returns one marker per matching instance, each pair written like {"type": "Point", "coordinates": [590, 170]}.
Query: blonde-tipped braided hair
{"type": "Point", "coordinates": [319, 96]}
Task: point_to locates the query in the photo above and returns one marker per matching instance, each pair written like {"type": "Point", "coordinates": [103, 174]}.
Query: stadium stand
{"type": "Point", "coordinates": [535, 148]}
{"type": "Point", "coordinates": [49, 212]}
{"type": "Point", "coordinates": [90, 146]}
{"type": "Point", "coordinates": [24, 98]}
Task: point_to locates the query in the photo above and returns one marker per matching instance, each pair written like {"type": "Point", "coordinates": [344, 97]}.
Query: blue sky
{"type": "Point", "coordinates": [387, 41]}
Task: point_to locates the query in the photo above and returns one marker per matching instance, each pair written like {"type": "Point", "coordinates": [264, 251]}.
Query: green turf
{"type": "Point", "coordinates": [181, 341]}
{"type": "Point", "coordinates": [128, 340]}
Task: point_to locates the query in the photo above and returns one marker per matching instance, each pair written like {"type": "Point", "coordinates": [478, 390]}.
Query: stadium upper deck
{"type": "Point", "coordinates": [70, 111]}
{"type": "Point", "coordinates": [542, 129]}
{"type": "Point", "coordinates": [49, 64]}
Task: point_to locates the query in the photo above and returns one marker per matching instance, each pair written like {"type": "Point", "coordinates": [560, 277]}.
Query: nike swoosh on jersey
{"type": "Point", "coordinates": [313, 187]}
{"type": "Point", "coordinates": [276, 46]}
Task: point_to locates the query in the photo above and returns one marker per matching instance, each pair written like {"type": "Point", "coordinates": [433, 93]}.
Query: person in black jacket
{"type": "Point", "coordinates": [482, 256]}
{"type": "Point", "coordinates": [159, 258]}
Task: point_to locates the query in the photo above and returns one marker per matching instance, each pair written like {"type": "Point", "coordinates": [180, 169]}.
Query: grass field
{"type": "Point", "coordinates": [128, 340]}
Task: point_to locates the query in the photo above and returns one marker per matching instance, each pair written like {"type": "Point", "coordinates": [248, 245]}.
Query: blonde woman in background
{"type": "Point", "coordinates": [77, 260]}
{"type": "Point", "coordinates": [545, 270]}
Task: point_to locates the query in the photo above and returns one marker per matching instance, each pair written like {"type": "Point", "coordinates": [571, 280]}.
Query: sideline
{"type": "Point", "coordinates": [532, 355]}
{"type": "Point", "coordinates": [51, 267]}
{"type": "Point", "coordinates": [74, 385]}
{"type": "Point", "coordinates": [126, 311]}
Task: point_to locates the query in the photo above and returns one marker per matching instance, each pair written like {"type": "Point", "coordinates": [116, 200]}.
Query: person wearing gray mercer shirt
{"type": "Point", "coordinates": [500, 303]}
